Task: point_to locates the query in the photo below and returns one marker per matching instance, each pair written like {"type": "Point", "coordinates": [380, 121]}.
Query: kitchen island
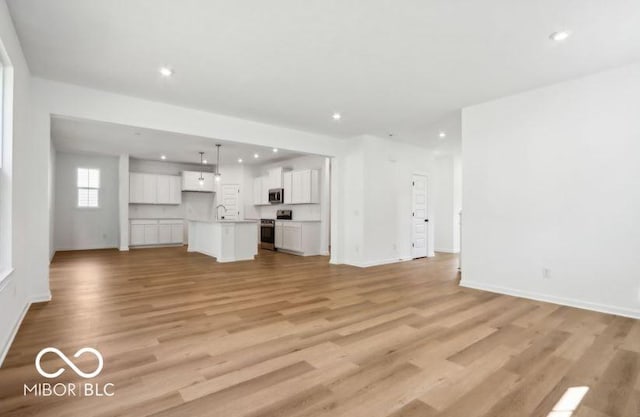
{"type": "Point", "coordinates": [225, 240]}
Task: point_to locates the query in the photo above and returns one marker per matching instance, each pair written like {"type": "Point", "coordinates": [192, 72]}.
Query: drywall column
{"type": "Point", "coordinates": [325, 206]}
{"type": "Point", "coordinates": [123, 201]}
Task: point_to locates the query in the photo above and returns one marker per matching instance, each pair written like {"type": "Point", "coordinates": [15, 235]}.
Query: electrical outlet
{"type": "Point", "coordinates": [546, 273]}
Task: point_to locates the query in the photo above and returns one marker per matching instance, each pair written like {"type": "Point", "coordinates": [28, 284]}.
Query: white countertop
{"type": "Point", "coordinates": [224, 221]}
{"type": "Point", "coordinates": [297, 221]}
{"type": "Point", "coordinates": [156, 218]}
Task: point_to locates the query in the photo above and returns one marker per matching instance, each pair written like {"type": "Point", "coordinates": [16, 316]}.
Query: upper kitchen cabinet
{"type": "Point", "coordinates": [168, 189]}
{"type": "Point", "coordinates": [305, 187]}
{"type": "Point", "coordinates": [275, 177]}
{"type": "Point", "coordinates": [261, 186]}
{"type": "Point", "coordinates": [154, 189]}
{"type": "Point", "coordinates": [191, 181]}
{"type": "Point", "coordinates": [287, 185]}
{"type": "Point", "coordinates": [300, 187]}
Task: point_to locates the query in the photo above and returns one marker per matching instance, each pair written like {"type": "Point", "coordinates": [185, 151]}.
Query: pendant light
{"type": "Point", "coordinates": [201, 179]}
{"type": "Point", "coordinates": [217, 173]}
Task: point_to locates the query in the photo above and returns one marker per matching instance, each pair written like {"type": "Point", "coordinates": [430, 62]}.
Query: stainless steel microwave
{"type": "Point", "coordinates": [276, 195]}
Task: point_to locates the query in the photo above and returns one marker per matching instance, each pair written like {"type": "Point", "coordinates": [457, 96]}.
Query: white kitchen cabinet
{"type": "Point", "coordinates": [275, 177]}
{"type": "Point", "coordinates": [164, 233]}
{"type": "Point", "coordinates": [154, 189]}
{"type": "Point", "coordinates": [278, 235]}
{"type": "Point", "coordinates": [151, 234]}
{"type": "Point", "coordinates": [155, 232]}
{"type": "Point", "coordinates": [257, 190]}
{"type": "Point", "coordinates": [163, 189]}
{"type": "Point", "coordinates": [292, 237]}
{"type": "Point", "coordinates": [150, 188]}
{"type": "Point", "coordinates": [287, 186]}
{"type": "Point", "coordinates": [175, 189]}
{"type": "Point", "coordinates": [261, 188]}
{"type": "Point", "coordinates": [136, 234]}
{"type": "Point", "coordinates": [299, 238]}
{"type": "Point", "coordinates": [305, 187]}
{"type": "Point", "coordinates": [191, 181]}
{"type": "Point", "coordinates": [300, 187]}
{"type": "Point", "coordinates": [177, 232]}
{"type": "Point", "coordinates": [136, 187]}
{"type": "Point", "coordinates": [266, 186]}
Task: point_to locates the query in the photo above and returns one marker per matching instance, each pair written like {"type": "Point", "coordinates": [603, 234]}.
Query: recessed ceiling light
{"type": "Point", "coordinates": [336, 116]}
{"type": "Point", "coordinates": [166, 71]}
{"type": "Point", "coordinates": [560, 35]}
{"type": "Point", "coordinates": [163, 157]}
{"type": "Point", "coordinates": [442, 134]}
{"type": "Point", "coordinates": [239, 160]}
{"type": "Point", "coordinates": [275, 150]}
{"type": "Point", "coordinates": [255, 155]}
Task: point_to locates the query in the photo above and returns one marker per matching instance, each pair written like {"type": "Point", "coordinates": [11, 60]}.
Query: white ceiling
{"type": "Point", "coordinates": [85, 136]}
{"type": "Point", "coordinates": [387, 66]}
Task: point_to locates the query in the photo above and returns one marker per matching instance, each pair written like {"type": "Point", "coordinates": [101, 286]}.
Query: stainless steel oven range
{"type": "Point", "coordinates": [267, 234]}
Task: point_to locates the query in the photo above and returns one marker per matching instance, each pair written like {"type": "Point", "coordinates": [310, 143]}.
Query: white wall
{"type": "Point", "coordinates": [123, 201]}
{"type": "Point", "coordinates": [52, 200]}
{"type": "Point", "coordinates": [25, 177]}
{"type": "Point", "coordinates": [86, 228]}
{"type": "Point", "coordinates": [457, 202]}
{"type": "Point", "coordinates": [378, 199]}
{"type": "Point", "coordinates": [552, 180]}
{"type": "Point", "coordinates": [447, 191]}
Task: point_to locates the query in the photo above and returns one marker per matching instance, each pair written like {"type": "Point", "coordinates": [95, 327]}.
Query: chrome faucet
{"type": "Point", "coordinates": [217, 207]}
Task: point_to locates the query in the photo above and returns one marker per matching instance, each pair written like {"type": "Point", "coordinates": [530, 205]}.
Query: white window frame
{"type": "Point", "coordinates": [6, 138]}
{"type": "Point", "coordinates": [88, 187]}
{"type": "Point", "coordinates": [2, 107]}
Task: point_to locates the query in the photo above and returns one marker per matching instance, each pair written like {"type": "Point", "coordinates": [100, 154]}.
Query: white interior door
{"type": "Point", "coordinates": [420, 220]}
{"type": "Point", "coordinates": [231, 201]}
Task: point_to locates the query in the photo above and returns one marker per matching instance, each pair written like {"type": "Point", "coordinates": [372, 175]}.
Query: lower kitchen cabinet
{"type": "Point", "coordinates": [292, 236]}
{"type": "Point", "coordinates": [156, 232]}
{"type": "Point", "coordinates": [278, 235]}
{"type": "Point", "coordinates": [300, 238]}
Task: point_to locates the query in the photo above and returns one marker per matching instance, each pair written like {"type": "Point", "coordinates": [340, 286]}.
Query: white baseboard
{"type": "Point", "coordinates": [86, 248]}
{"type": "Point", "coordinates": [447, 250]}
{"type": "Point", "coordinates": [225, 260]}
{"type": "Point", "coordinates": [14, 332]}
{"type": "Point", "coordinates": [34, 299]}
{"type": "Point", "coordinates": [41, 298]}
{"type": "Point", "coordinates": [570, 302]}
{"type": "Point", "coordinates": [378, 263]}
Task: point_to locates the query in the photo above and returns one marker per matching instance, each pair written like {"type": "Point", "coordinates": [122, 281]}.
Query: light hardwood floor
{"type": "Point", "coordinates": [182, 335]}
